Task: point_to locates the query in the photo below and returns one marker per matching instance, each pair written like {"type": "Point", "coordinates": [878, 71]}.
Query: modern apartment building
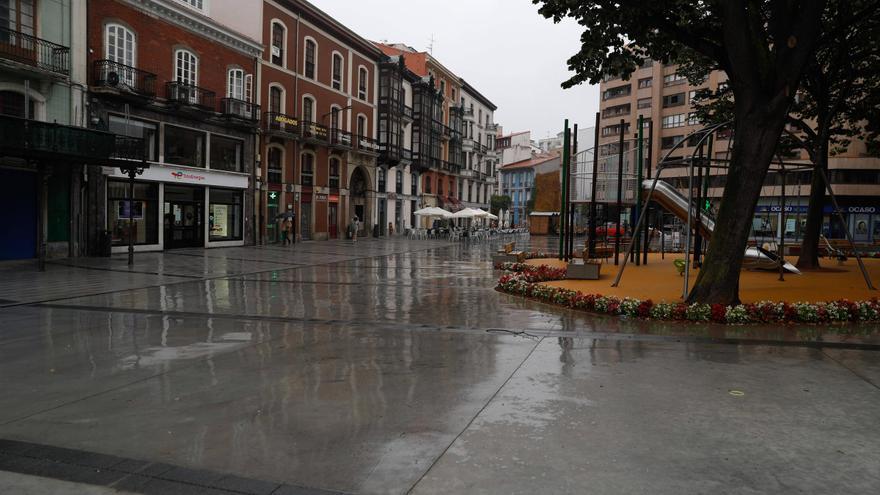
{"type": "Point", "coordinates": [478, 181]}
{"type": "Point", "coordinates": [664, 98]}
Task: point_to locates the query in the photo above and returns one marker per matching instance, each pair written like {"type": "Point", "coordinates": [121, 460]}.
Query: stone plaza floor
{"type": "Point", "coordinates": [392, 366]}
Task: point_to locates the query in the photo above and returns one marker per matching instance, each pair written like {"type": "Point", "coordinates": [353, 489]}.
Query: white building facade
{"type": "Point", "coordinates": [478, 181]}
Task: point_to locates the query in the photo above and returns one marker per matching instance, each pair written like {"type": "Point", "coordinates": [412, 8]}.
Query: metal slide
{"type": "Point", "coordinates": [669, 198]}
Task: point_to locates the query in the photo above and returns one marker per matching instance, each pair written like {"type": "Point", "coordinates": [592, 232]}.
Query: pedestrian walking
{"type": "Point", "coordinates": [353, 229]}
{"type": "Point", "coordinates": [286, 225]}
{"type": "Point", "coordinates": [390, 229]}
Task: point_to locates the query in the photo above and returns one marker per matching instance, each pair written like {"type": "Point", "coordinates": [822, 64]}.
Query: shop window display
{"type": "Point", "coordinates": [144, 211]}
{"type": "Point", "coordinates": [225, 215]}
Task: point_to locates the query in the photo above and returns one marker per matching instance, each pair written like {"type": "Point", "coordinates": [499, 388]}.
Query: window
{"type": "Point", "coordinates": [12, 104]}
{"type": "Point", "coordinates": [226, 154]}
{"type": "Point", "coordinates": [308, 169]}
{"type": "Point", "coordinates": [646, 82]}
{"type": "Point", "coordinates": [337, 71]}
{"type": "Point", "coordinates": [249, 88]}
{"type": "Point", "coordinates": [186, 67]}
{"type": "Point", "coordinates": [693, 119]}
{"type": "Point", "coordinates": [613, 130]}
{"type": "Point", "coordinates": [692, 95]}
{"type": "Point", "coordinates": [120, 48]}
{"type": "Point", "coordinates": [362, 83]}
{"type": "Point", "coordinates": [276, 97]}
{"type": "Point", "coordinates": [144, 211]}
{"type": "Point", "coordinates": [440, 187]}
{"type": "Point", "coordinates": [647, 63]}
{"type": "Point", "coordinates": [398, 182]}
{"type": "Point", "coordinates": [443, 88]}
{"type": "Point", "coordinates": [670, 141]}
{"type": "Point", "coordinates": [617, 92]}
{"type": "Point", "coordinates": [308, 109]}
{"type": "Point", "coordinates": [362, 126]}
{"type": "Point", "coordinates": [334, 173]}
{"type": "Point", "coordinates": [381, 179]}
{"type": "Point", "coordinates": [616, 111]}
{"type": "Point", "coordinates": [235, 84]}
{"type": "Point", "coordinates": [644, 103]}
{"type": "Point", "coordinates": [274, 166]}
{"type": "Point", "coordinates": [309, 69]}
{"type": "Point", "coordinates": [196, 4]}
{"type": "Point", "coordinates": [673, 100]}
{"type": "Point", "coordinates": [334, 117]}
{"type": "Point", "coordinates": [671, 121]}
{"type": "Point", "coordinates": [16, 15]}
{"type": "Point", "coordinates": [673, 79]}
{"type": "Point", "coordinates": [427, 184]}
{"type": "Point", "coordinates": [137, 129]}
{"type": "Point", "coordinates": [414, 184]}
{"type": "Point", "coordinates": [277, 51]}
{"type": "Point", "coordinates": [225, 215]}
{"type": "Point", "coordinates": [184, 146]}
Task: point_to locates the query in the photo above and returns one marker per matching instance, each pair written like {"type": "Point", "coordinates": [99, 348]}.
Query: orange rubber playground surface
{"type": "Point", "coordinates": [659, 281]}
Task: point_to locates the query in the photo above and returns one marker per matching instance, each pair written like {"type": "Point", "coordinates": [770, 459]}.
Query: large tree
{"type": "Point", "coordinates": [837, 101]}
{"type": "Point", "coordinates": [763, 46]}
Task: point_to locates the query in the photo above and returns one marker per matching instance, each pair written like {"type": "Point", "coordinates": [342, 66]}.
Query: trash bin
{"type": "Point", "coordinates": [105, 243]}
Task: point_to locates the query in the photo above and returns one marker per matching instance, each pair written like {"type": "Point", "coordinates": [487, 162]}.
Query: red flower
{"type": "Point", "coordinates": [719, 313]}
{"type": "Point", "coordinates": [644, 309]}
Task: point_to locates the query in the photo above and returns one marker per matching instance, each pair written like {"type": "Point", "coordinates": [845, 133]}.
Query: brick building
{"type": "Point", "coordinates": [318, 88]}
{"type": "Point", "coordinates": [167, 72]}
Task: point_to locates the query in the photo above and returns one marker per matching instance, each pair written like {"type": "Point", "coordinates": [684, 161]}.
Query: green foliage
{"type": "Point", "coordinates": [498, 203]}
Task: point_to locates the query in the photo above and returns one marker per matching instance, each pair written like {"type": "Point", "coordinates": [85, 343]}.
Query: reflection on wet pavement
{"type": "Point", "coordinates": [394, 366]}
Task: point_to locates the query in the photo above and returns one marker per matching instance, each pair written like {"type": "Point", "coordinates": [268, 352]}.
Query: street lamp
{"type": "Point", "coordinates": [132, 170]}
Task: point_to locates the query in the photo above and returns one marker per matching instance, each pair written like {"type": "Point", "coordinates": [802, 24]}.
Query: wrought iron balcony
{"type": "Point", "coordinates": [123, 78]}
{"type": "Point", "coordinates": [189, 95]}
{"type": "Point", "coordinates": [31, 139]}
{"type": "Point", "coordinates": [364, 144]}
{"type": "Point", "coordinates": [313, 131]}
{"type": "Point", "coordinates": [281, 124]}
{"type": "Point", "coordinates": [30, 50]}
{"type": "Point", "coordinates": [240, 109]}
{"type": "Point", "coordinates": [340, 139]}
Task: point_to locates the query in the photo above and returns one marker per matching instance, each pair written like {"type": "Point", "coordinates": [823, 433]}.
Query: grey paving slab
{"type": "Point", "coordinates": [69, 355]}
{"type": "Point", "coordinates": [584, 417]}
{"type": "Point", "coordinates": [23, 484]}
{"type": "Point", "coordinates": [363, 410]}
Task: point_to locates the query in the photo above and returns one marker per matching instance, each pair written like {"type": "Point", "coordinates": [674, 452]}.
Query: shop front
{"type": "Point", "coordinates": [176, 207]}
{"type": "Point", "coordinates": [860, 215]}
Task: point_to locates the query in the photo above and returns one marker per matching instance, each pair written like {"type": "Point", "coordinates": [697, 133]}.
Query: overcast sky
{"type": "Point", "coordinates": [504, 48]}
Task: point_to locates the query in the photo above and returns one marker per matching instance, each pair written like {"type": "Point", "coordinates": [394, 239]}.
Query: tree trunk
{"type": "Point", "coordinates": [809, 257]}
{"type": "Point", "coordinates": [759, 124]}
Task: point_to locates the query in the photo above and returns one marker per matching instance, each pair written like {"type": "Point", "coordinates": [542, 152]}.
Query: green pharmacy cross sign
{"type": "Point", "coordinates": [273, 195]}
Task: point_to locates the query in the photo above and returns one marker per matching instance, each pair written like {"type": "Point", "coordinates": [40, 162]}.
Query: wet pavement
{"type": "Point", "coordinates": [392, 366]}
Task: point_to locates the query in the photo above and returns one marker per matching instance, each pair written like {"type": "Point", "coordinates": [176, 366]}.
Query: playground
{"type": "Point", "coordinates": [659, 280]}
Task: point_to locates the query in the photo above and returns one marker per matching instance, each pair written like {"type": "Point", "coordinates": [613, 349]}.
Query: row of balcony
{"type": "Point", "coordinates": [134, 82]}
{"type": "Point", "coordinates": [34, 52]}
{"type": "Point", "coordinates": [32, 139]}
{"type": "Point", "coordinates": [291, 127]}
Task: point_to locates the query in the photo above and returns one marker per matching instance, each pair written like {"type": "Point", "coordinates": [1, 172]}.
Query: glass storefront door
{"type": "Point", "coordinates": [184, 217]}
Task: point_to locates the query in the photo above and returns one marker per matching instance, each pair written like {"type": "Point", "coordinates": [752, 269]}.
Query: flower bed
{"type": "Point", "coordinates": [525, 280]}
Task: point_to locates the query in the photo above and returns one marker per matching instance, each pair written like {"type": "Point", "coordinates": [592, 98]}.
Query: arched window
{"type": "Point", "coordinates": [307, 161]}
{"type": "Point", "coordinates": [186, 67]}
{"type": "Point", "coordinates": [119, 45]}
{"type": "Point", "coordinates": [362, 83]}
{"type": "Point", "coordinates": [336, 74]}
{"type": "Point", "coordinates": [274, 166]}
{"type": "Point", "coordinates": [308, 109]}
{"type": "Point", "coordinates": [362, 126]}
{"type": "Point", "coordinates": [309, 69]}
{"type": "Point", "coordinates": [235, 84]}
{"type": "Point", "coordinates": [277, 50]}
{"type": "Point", "coordinates": [276, 99]}
{"type": "Point", "coordinates": [334, 172]}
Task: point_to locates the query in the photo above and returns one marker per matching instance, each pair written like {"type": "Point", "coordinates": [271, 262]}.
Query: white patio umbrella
{"type": "Point", "coordinates": [489, 215]}
{"type": "Point", "coordinates": [469, 213]}
{"type": "Point", "coordinates": [432, 211]}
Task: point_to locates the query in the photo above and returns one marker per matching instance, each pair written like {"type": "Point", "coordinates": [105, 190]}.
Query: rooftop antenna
{"type": "Point", "coordinates": [431, 44]}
